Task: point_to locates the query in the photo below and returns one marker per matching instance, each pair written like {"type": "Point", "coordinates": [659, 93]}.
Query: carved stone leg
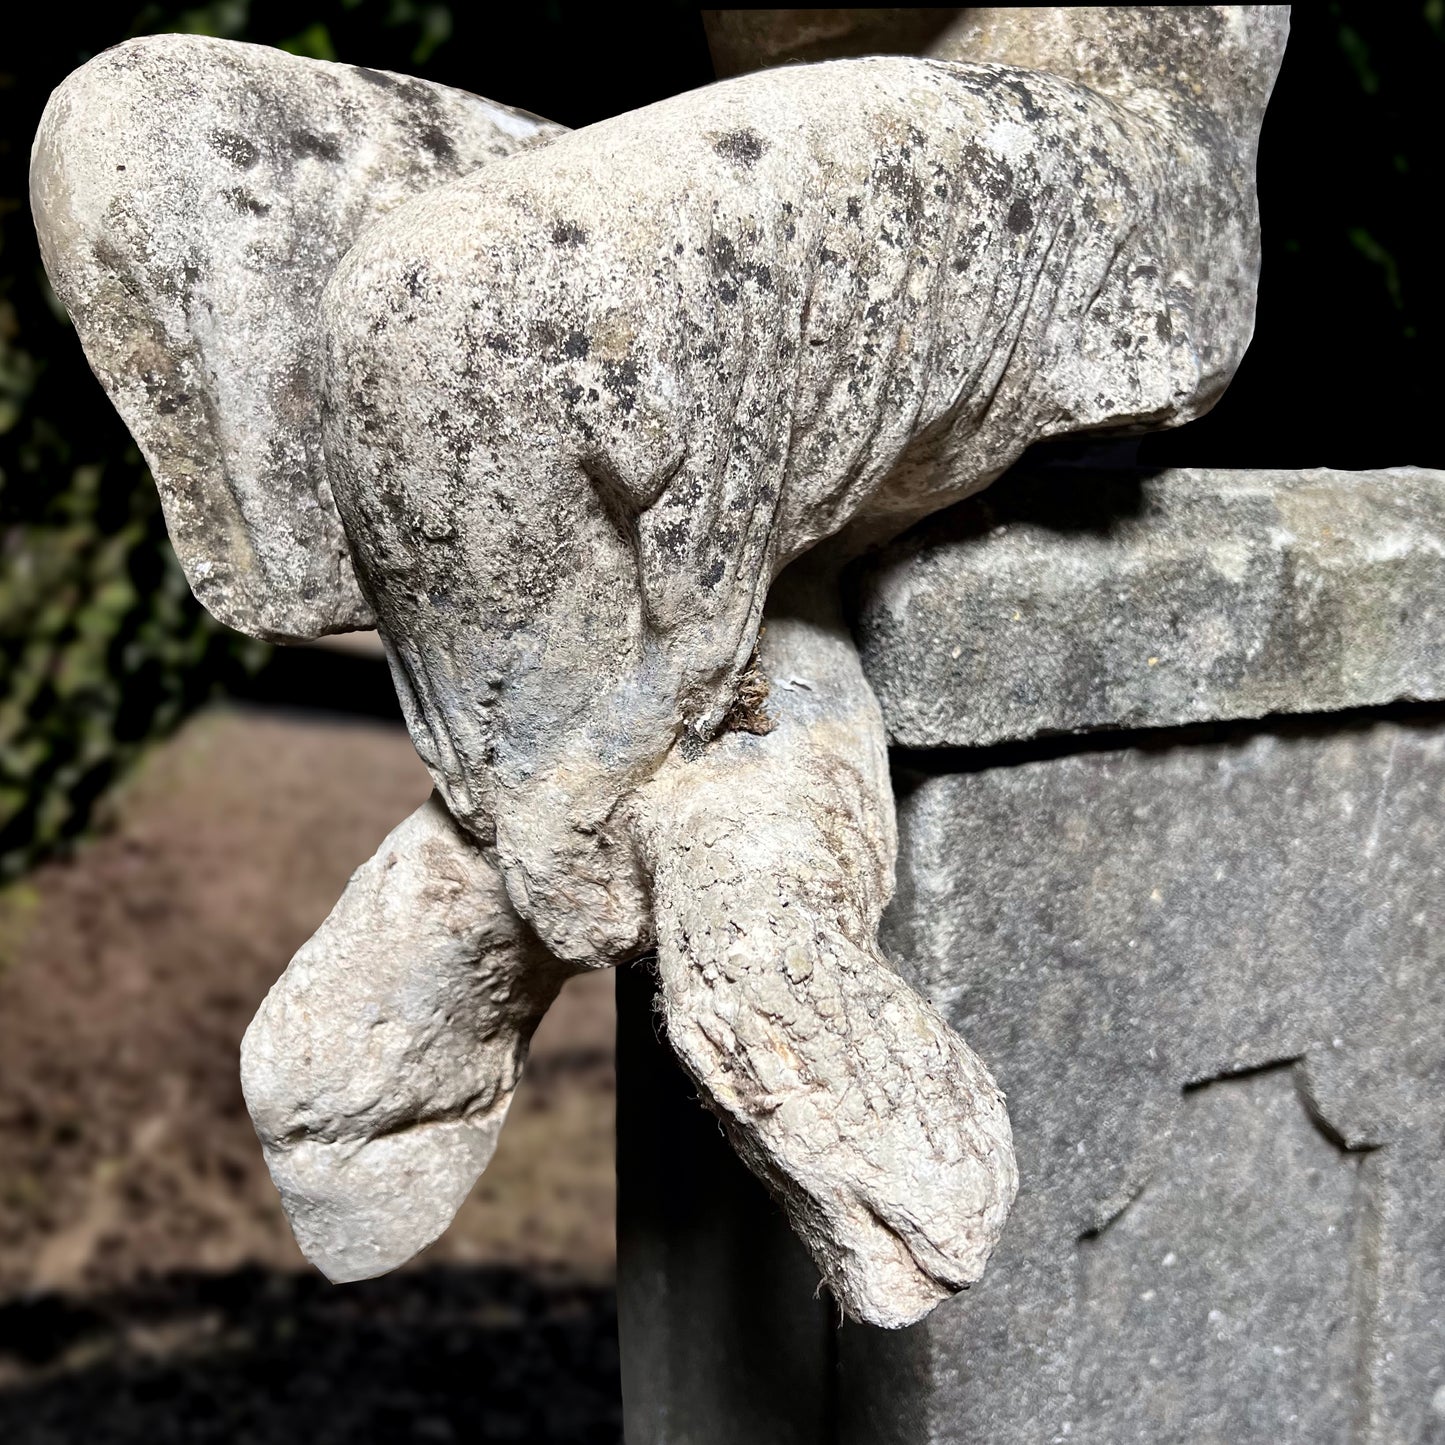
{"type": "Point", "coordinates": [558, 424]}
{"type": "Point", "coordinates": [379, 1069]}
{"type": "Point", "coordinates": [880, 1131]}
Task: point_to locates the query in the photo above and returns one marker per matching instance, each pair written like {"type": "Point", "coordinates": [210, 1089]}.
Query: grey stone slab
{"type": "Point", "coordinates": [1189, 1260]}
{"type": "Point", "coordinates": [1161, 1327]}
{"type": "Point", "coordinates": [1225, 1294]}
{"type": "Point", "coordinates": [1211, 980]}
{"type": "Point", "coordinates": [1069, 601]}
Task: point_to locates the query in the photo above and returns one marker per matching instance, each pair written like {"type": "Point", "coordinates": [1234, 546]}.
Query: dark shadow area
{"type": "Point", "coordinates": [912, 766]}
{"type": "Point", "coordinates": [573, 63]}
{"type": "Point", "coordinates": [742, 40]}
{"type": "Point", "coordinates": [1059, 497]}
{"type": "Point", "coordinates": [1082, 453]}
{"type": "Point", "coordinates": [259, 1358]}
{"type": "Point", "coordinates": [321, 680]}
{"type": "Point", "coordinates": [1349, 341]}
{"type": "Point", "coordinates": [708, 1340]}
{"type": "Point", "coordinates": [1075, 485]}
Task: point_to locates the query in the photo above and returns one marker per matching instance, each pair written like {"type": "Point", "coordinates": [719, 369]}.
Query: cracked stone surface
{"type": "Point", "coordinates": [556, 409]}
{"type": "Point", "coordinates": [1072, 601]}
{"type": "Point", "coordinates": [1264, 1256]}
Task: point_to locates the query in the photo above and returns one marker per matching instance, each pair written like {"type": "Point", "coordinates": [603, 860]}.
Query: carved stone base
{"type": "Point", "coordinates": [1205, 964]}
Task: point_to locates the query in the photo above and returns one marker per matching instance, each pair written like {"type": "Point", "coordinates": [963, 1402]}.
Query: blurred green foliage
{"type": "Point", "coordinates": [101, 645]}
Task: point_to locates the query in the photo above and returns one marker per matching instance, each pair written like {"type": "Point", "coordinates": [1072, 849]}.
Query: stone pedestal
{"type": "Point", "coordinates": [1169, 793]}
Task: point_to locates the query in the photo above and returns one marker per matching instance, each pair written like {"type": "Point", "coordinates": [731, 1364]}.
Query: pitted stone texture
{"type": "Point", "coordinates": [1205, 57]}
{"type": "Point", "coordinates": [1210, 64]}
{"type": "Point", "coordinates": [614, 385]}
{"type": "Point", "coordinates": [1111, 929]}
{"type": "Point", "coordinates": [380, 1067]}
{"type": "Point", "coordinates": [880, 1132]}
{"type": "Point", "coordinates": [581, 408]}
{"type": "Point", "coordinates": [192, 196]}
{"type": "Point", "coordinates": [1068, 601]}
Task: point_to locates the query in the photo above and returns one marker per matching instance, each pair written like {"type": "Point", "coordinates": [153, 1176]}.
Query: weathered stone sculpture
{"type": "Point", "coordinates": [556, 410]}
{"type": "Point", "coordinates": [192, 198]}
{"type": "Point", "coordinates": [1198, 947]}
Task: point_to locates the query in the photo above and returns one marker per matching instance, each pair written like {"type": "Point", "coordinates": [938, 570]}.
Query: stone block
{"type": "Point", "coordinates": [1066, 601]}
{"type": "Point", "coordinates": [1211, 981]}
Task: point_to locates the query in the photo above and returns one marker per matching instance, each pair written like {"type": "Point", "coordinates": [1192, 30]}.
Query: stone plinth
{"type": "Point", "coordinates": [1203, 962]}
{"type": "Point", "coordinates": [1210, 980]}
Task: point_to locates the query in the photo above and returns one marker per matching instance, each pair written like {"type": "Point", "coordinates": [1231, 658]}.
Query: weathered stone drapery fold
{"type": "Point", "coordinates": [192, 197]}
{"type": "Point", "coordinates": [380, 1067]}
{"type": "Point", "coordinates": [610, 413]}
{"type": "Point", "coordinates": [567, 417]}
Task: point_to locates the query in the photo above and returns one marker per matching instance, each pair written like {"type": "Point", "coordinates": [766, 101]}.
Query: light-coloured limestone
{"type": "Point", "coordinates": [589, 422]}
{"type": "Point", "coordinates": [577, 412]}
{"type": "Point", "coordinates": [379, 1069]}
{"type": "Point", "coordinates": [881, 1133]}
{"type": "Point", "coordinates": [192, 197]}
